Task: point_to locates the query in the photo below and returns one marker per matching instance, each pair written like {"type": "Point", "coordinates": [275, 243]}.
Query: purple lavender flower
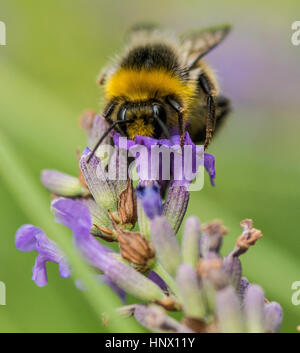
{"type": "Point", "coordinates": [75, 216]}
{"type": "Point", "coordinates": [152, 265]}
{"type": "Point", "coordinates": [29, 238]}
{"type": "Point", "coordinates": [209, 289]}
{"type": "Point", "coordinates": [151, 200]}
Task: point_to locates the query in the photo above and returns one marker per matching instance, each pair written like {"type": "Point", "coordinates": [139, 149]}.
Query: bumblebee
{"type": "Point", "coordinates": [161, 83]}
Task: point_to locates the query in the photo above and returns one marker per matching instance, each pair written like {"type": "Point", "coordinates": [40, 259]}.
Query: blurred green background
{"type": "Point", "coordinates": [48, 71]}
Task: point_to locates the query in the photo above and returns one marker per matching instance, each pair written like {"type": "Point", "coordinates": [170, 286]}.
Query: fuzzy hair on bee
{"type": "Point", "coordinates": [161, 83]}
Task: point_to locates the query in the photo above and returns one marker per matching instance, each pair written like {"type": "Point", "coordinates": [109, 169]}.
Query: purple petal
{"type": "Point", "coordinates": [64, 268]}
{"type": "Point", "coordinates": [48, 251]}
{"type": "Point", "coordinates": [26, 237]}
{"type": "Point", "coordinates": [158, 280]}
{"type": "Point", "coordinates": [73, 215]}
{"type": "Point", "coordinates": [209, 165]}
{"type": "Point", "coordinates": [30, 238]}
{"type": "Point", "coordinates": [39, 271]}
{"type": "Point", "coordinates": [151, 200]}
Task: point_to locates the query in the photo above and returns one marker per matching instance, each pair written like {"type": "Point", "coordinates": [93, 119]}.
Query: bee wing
{"type": "Point", "coordinates": [142, 31]}
{"type": "Point", "coordinates": [195, 44]}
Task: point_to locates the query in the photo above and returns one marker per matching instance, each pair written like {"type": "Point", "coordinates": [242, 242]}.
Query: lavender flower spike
{"type": "Point", "coordinates": [30, 238]}
{"type": "Point", "coordinates": [62, 184]}
{"type": "Point", "coordinates": [75, 216]}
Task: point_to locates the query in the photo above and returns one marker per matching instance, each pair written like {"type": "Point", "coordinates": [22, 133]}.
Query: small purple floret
{"type": "Point", "coordinates": [151, 200]}
{"type": "Point", "coordinates": [29, 238]}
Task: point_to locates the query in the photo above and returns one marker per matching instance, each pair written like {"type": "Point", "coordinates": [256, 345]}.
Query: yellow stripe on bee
{"type": "Point", "coordinates": [140, 85]}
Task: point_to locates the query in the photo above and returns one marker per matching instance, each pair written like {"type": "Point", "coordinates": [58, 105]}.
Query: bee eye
{"type": "Point", "coordinates": [158, 111]}
{"type": "Point", "coordinates": [122, 113]}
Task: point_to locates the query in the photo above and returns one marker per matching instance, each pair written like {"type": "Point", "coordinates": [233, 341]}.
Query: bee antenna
{"type": "Point", "coordinates": [115, 123]}
{"type": "Point", "coordinates": [161, 124]}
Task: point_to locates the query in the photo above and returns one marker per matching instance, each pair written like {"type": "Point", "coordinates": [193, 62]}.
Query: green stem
{"type": "Point", "coordinates": [33, 203]}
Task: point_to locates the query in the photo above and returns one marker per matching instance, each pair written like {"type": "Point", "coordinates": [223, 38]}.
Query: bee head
{"type": "Point", "coordinates": [146, 118]}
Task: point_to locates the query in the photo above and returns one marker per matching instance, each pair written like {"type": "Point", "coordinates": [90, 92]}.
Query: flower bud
{"type": "Point", "coordinates": [62, 184]}
{"type": "Point", "coordinates": [190, 292]}
{"type": "Point", "coordinates": [165, 244]}
{"type": "Point", "coordinates": [134, 247]}
{"type": "Point", "coordinates": [254, 309]}
{"type": "Point", "coordinates": [155, 319]}
{"type": "Point", "coordinates": [175, 205]}
{"type": "Point", "coordinates": [127, 205]}
{"type": "Point", "coordinates": [191, 241]}
{"type": "Point", "coordinates": [229, 315]}
{"type": "Point", "coordinates": [102, 189]}
{"type": "Point", "coordinates": [273, 317]}
{"type": "Point", "coordinates": [212, 237]}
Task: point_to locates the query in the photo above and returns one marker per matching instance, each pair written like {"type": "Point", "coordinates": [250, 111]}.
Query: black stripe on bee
{"type": "Point", "coordinates": [154, 56]}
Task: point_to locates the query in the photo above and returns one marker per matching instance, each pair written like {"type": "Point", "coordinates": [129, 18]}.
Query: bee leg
{"type": "Point", "coordinates": [208, 88]}
{"type": "Point", "coordinates": [223, 108]}
{"type": "Point", "coordinates": [179, 109]}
